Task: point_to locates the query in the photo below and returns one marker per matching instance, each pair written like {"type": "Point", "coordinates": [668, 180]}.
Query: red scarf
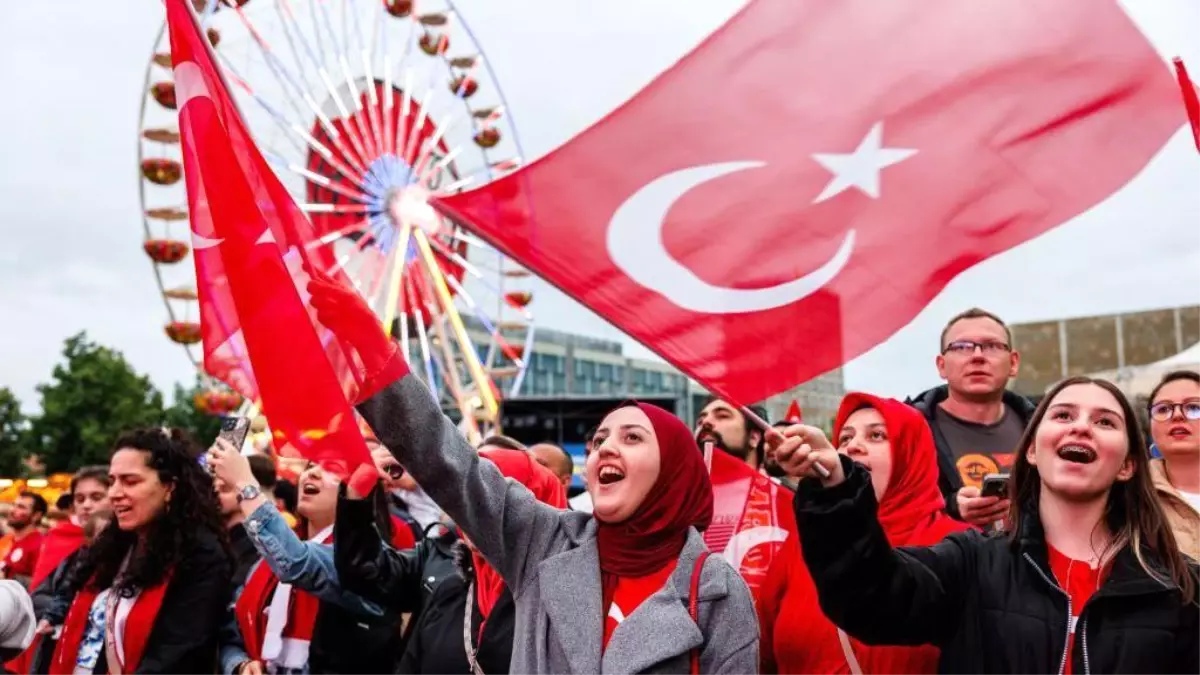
{"type": "Point", "coordinates": [62, 541]}
{"type": "Point", "coordinates": [519, 466]}
{"type": "Point", "coordinates": [256, 596]}
{"type": "Point", "coordinates": [911, 515]}
{"type": "Point", "coordinates": [681, 497]}
{"type": "Point", "coordinates": [133, 642]}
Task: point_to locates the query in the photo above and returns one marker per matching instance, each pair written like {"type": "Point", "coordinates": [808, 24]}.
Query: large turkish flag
{"type": "Point", "coordinates": [250, 240]}
{"type": "Point", "coordinates": [811, 154]}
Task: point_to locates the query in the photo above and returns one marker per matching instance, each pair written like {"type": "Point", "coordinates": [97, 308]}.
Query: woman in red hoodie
{"type": "Point", "coordinates": [893, 442]}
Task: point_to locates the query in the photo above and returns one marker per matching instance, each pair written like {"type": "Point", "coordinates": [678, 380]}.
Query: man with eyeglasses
{"type": "Point", "coordinates": [976, 421]}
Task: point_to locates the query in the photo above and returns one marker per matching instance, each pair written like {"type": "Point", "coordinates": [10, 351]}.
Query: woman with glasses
{"type": "Point", "coordinates": [1175, 427]}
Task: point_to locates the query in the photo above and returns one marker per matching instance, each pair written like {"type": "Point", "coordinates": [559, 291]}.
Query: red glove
{"type": "Point", "coordinates": [345, 313]}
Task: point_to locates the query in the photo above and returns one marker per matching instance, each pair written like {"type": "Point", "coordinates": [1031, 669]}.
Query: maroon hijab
{"type": "Point", "coordinates": [680, 498]}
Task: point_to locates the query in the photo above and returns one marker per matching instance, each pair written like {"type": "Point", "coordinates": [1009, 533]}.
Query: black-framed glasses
{"type": "Point", "coordinates": [1161, 412]}
{"type": "Point", "coordinates": [969, 347]}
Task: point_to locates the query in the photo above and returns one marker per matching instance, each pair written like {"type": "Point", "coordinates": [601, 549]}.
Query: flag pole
{"type": "Point", "coordinates": [766, 429]}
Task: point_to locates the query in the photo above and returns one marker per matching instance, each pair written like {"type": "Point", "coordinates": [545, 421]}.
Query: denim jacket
{"type": "Point", "coordinates": [306, 565]}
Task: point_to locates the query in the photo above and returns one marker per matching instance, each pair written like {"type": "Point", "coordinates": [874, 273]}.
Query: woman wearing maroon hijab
{"type": "Point", "coordinates": [629, 588]}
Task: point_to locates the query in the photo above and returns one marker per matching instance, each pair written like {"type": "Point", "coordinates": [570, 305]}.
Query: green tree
{"type": "Point", "coordinates": [14, 435]}
{"type": "Point", "coordinates": [183, 414]}
{"type": "Point", "coordinates": [93, 396]}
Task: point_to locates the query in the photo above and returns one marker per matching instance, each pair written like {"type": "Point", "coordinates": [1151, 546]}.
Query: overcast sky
{"type": "Point", "coordinates": [71, 258]}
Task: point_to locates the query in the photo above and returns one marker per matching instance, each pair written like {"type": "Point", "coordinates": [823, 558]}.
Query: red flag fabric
{"type": "Point", "coordinates": [752, 517]}
{"type": "Point", "coordinates": [249, 240]}
{"type": "Point", "coordinates": [816, 158]}
{"type": "Point", "coordinates": [1191, 98]}
{"type": "Point", "coordinates": [793, 414]}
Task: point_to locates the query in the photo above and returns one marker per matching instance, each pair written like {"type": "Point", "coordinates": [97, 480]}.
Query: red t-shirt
{"type": "Point", "coordinates": [1080, 581]}
{"type": "Point", "coordinates": [631, 592]}
{"type": "Point", "coordinates": [22, 557]}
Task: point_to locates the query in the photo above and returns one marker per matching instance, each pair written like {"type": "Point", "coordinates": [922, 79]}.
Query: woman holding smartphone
{"type": "Point", "coordinates": [1089, 578]}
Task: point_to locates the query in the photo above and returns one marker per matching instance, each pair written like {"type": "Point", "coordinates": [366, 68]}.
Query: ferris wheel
{"type": "Point", "coordinates": [365, 109]}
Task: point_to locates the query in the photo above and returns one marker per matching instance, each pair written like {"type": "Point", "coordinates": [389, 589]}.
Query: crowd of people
{"type": "Point", "coordinates": [441, 557]}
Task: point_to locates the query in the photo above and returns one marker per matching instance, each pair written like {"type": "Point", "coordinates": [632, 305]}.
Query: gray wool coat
{"type": "Point", "coordinates": [550, 561]}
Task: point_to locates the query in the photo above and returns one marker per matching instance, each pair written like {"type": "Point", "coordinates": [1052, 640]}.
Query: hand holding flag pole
{"type": "Point", "coordinates": [773, 436]}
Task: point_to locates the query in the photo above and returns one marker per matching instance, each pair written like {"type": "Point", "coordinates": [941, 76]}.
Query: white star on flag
{"type": "Point", "coordinates": [860, 169]}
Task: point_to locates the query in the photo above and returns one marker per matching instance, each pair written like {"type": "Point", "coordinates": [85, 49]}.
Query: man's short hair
{"type": "Point", "coordinates": [39, 502]}
{"type": "Point", "coordinates": [506, 442]}
{"type": "Point", "coordinates": [285, 491]}
{"type": "Point", "coordinates": [975, 313]}
{"type": "Point", "coordinates": [264, 471]}
{"type": "Point", "coordinates": [759, 410]}
{"type": "Point", "coordinates": [561, 450]}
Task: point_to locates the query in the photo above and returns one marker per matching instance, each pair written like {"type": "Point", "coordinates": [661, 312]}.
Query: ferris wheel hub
{"type": "Point", "coordinates": [410, 204]}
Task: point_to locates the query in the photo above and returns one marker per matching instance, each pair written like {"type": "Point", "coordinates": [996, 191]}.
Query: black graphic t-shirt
{"type": "Point", "coordinates": [980, 449]}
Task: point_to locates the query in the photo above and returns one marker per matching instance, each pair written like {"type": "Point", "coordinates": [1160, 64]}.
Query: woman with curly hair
{"type": "Point", "coordinates": [153, 589]}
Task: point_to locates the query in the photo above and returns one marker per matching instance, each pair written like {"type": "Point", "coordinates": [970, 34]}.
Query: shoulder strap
{"type": "Point", "coordinates": [848, 652]}
{"type": "Point", "coordinates": [694, 604]}
{"type": "Point", "coordinates": [468, 643]}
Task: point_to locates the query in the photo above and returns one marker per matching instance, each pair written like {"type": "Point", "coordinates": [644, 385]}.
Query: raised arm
{"type": "Point", "coordinates": [879, 595]}
{"type": "Point", "coordinates": [504, 520]}
{"type": "Point", "coordinates": [307, 565]}
{"type": "Point", "coordinates": [368, 566]}
{"type": "Point", "coordinates": [506, 523]}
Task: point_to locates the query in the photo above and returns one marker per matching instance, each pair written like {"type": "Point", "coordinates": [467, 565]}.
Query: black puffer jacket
{"type": "Point", "coordinates": [400, 580]}
{"type": "Point", "coordinates": [436, 643]}
{"type": "Point", "coordinates": [949, 480]}
{"type": "Point", "coordinates": [991, 605]}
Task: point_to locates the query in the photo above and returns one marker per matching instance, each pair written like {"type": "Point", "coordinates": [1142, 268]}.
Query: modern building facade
{"type": "Point", "coordinates": [566, 365]}
{"type": "Point", "coordinates": [1052, 350]}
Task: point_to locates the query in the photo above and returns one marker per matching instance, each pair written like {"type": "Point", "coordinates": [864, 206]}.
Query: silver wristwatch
{"type": "Point", "coordinates": [248, 492]}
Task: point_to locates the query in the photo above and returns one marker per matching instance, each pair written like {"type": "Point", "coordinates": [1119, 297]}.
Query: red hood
{"type": "Point", "coordinates": [912, 502]}
{"type": "Point", "coordinates": [60, 542]}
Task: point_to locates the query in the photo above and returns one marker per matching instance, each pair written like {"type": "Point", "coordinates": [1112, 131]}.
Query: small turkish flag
{"type": "Point", "coordinates": [1191, 99]}
{"type": "Point", "coordinates": [793, 413]}
{"type": "Point", "coordinates": [752, 517]}
{"type": "Point", "coordinates": [813, 159]}
{"type": "Point", "coordinates": [260, 336]}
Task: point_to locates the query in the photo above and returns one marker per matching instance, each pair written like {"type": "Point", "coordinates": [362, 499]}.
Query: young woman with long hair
{"type": "Point", "coordinates": [627, 589]}
{"type": "Point", "coordinates": [154, 585]}
{"type": "Point", "coordinates": [292, 613]}
{"type": "Point", "coordinates": [1089, 578]}
{"type": "Point", "coordinates": [1175, 428]}
{"type": "Point", "coordinates": [894, 444]}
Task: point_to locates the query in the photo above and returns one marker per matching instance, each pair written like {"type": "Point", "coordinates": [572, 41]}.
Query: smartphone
{"type": "Point", "coordinates": [234, 430]}
{"type": "Point", "coordinates": [995, 485]}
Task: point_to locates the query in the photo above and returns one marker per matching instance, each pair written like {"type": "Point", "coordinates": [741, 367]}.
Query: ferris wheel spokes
{"type": "Point", "coordinates": [349, 146]}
